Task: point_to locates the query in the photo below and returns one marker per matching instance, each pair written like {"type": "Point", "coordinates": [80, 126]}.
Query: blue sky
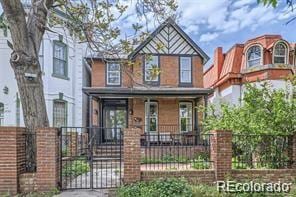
{"type": "Point", "coordinates": [213, 23]}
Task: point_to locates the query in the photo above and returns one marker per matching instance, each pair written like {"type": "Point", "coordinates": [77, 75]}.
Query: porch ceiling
{"type": "Point", "coordinates": [119, 92]}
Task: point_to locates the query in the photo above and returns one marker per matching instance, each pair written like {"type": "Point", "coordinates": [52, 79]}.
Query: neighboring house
{"type": "Point", "coordinates": [64, 75]}
{"type": "Point", "coordinates": [267, 58]}
{"type": "Point", "coordinates": [128, 96]}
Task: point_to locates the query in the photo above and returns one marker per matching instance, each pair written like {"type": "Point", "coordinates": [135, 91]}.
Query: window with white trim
{"type": "Point", "coordinates": [254, 56]}
{"type": "Point", "coordinates": [60, 59]}
{"type": "Point", "coordinates": [1, 114]}
{"type": "Point", "coordinates": [280, 53]}
{"type": "Point", "coordinates": [113, 73]}
{"type": "Point", "coordinates": [151, 65]}
{"type": "Point", "coordinates": [151, 117]}
{"type": "Point", "coordinates": [185, 70]}
{"type": "Point", "coordinates": [59, 113]}
{"type": "Point", "coordinates": [185, 116]}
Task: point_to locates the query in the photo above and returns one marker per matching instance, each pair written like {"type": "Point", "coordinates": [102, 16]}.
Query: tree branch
{"type": "Point", "coordinates": [15, 14]}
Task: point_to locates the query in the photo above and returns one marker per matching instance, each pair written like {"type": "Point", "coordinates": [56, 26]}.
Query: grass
{"type": "Point", "coordinates": [180, 187]}
{"type": "Point", "coordinates": [75, 168]}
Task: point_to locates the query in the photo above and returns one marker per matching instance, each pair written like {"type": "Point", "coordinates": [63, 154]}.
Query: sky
{"type": "Point", "coordinates": [214, 23]}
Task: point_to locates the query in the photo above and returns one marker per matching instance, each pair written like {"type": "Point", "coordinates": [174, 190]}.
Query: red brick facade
{"type": "Point", "coordinates": [230, 68]}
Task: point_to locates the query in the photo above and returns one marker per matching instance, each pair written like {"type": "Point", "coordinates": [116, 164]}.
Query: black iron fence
{"type": "Point", "coordinates": [170, 128]}
{"type": "Point", "coordinates": [163, 151]}
{"type": "Point", "coordinates": [90, 157]}
{"type": "Point", "coordinates": [261, 151]}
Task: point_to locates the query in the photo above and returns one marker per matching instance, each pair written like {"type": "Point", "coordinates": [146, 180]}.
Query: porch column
{"type": "Point", "coordinates": [196, 126]}
{"type": "Point", "coordinates": [90, 104]}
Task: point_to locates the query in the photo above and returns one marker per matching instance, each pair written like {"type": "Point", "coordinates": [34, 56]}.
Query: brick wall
{"type": "Point", "coordinates": [192, 176]}
{"type": "Point", "coordinates": [132, 155]}
{"type": "Point", "coordinates": [169, 76]}
{"type": "Point", "coordinates": [261, 175]}
{"type": "Point", "coordinates": [28, 182]}
{"type": "Point", "coordinates": [47, 159]}
{"type": "Point", "coordinates": [168, 113]}
{"type": "Point", "coordinates": [11, 158]}
{"type": "Point", "coordinates": [221, 153]}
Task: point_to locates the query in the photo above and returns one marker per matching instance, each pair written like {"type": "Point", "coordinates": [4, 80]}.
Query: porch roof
{"type": "Point", "coordinates": [120, 92]}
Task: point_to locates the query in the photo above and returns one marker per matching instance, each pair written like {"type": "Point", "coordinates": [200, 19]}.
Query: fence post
{"type": "Point", "coordinates": [131, 155]}
{"type": "Point", "coordinates": [221, 153]}
{"type": "Point", "coordinates": [47, 141]}
{"type": "Point", "coordinates": [12, 158]}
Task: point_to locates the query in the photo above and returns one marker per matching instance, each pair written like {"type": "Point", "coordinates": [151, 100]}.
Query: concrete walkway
{"type": "Point", "coordinates": [87, 193]}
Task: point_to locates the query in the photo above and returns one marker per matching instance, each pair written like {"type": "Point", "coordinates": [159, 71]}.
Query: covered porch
{"type": "Point", "coordinates": [159, 112]}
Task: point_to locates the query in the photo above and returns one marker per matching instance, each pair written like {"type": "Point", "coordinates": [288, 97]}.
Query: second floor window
{"type": "Point", "coordinates": [113, 73]}
{"type": "Point", "coordinates": [60, 64]}
{"type": "Point", "coordinates": [151, 69]}
{"type": "Point", "coordinates": [1, 114]}
{"type": "Point", "coordinates": [254, 56]}
{"type": "Point", "coordinates": [185, 70]}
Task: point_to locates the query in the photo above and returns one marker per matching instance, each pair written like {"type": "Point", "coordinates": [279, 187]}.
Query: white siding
{"type": "Point", "coordinates": [71, 89]}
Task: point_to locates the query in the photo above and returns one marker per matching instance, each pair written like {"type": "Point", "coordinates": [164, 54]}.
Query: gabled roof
{"type": "Point", "coordinates": [173, 40]}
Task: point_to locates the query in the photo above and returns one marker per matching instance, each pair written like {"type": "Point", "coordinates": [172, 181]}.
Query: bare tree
{"type": "Point", "coordinates": [93, 21]}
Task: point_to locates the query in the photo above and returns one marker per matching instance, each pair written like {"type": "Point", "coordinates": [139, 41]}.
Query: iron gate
{"type": "Point", "coordinates": [91, 158]}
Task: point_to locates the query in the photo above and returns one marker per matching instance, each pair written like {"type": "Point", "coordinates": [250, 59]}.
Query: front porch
{"type": "Point", "coordinates": [162, 111]}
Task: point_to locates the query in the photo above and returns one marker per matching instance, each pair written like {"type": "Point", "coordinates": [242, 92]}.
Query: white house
{"type": "Point", "coordinates": [64, 74]}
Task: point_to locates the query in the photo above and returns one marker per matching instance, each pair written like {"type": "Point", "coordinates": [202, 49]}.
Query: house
{"type": "Point", "coordinates": [133, 96]}
{"type": "Point", "coordinates": [64, 75]}
{"type": "Point", "coordinates": [268, 58]}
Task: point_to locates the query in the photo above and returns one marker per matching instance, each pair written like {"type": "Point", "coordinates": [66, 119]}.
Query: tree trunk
{"type": "Point", "coordinates": [30, 86]}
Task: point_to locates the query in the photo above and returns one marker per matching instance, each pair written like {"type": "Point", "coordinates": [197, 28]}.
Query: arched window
{"type": "Point", "coordinates": [1, 114]}
{"type": "Point", "coordinates": [280, 53]}
{"type": "Point", "coordinates": [254, 56]}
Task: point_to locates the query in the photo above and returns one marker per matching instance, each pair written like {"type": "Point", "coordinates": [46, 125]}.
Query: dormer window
{"type": "Point", "coordinates": [254, 56]}
{"type": "Point", "coordinates": [280, 53]}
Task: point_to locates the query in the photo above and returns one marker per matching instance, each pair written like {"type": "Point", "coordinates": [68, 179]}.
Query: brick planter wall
{"type": "Point", "coordinates": [192, 176]}
{"type": "Point", "coordinates": [11, 158]}
{"type": "Point", "coordinates": [261, 175]}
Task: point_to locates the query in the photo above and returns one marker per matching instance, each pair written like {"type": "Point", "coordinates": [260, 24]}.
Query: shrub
{"type": "Point", "coordinates": [75, 168]}
{"type": "Point", "coordinates": [157, 188]}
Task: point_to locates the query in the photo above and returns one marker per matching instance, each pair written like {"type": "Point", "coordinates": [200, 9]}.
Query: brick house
{"type": "Point", "coordinates": [267, 58]}
{"type": "Point", "coordinates": [132, 96]}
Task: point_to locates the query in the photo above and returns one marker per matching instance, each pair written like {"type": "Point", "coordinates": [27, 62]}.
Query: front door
{"type": "Point", "coordinates": [115, 118]}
